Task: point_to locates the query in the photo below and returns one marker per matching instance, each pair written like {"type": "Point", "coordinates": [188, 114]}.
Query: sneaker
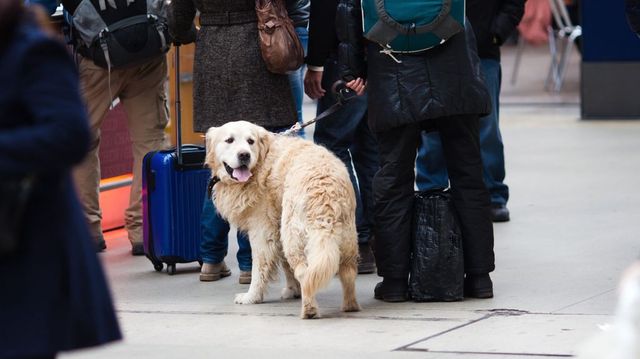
{"type": "Point", "coordinates": [366, 260]}
{"type": "Point", "coordinates": [245, 277]}
{"type": "Point", "coordinates": [391, 290]}
{"type": "Point", "coordinates": [499, 212]}
{"type": "Point", "coordinates": [211, 272]}
{"type": "Point", "coordinates": [137, 249]}
{"type": "Point", "coordinates": [478, 286]}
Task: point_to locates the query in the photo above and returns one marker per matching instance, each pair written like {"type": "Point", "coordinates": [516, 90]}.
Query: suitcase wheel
{"type": "Point", "coordinates": [158, 267]}
{"type": "Point", "coordinates": [171, 269]}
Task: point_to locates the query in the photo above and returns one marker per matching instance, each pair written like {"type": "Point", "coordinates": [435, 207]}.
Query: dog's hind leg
{"type": "Point", "coordinates": [323, 260]}
{"type": "Point", "coordinates": [292, 289]}
{"type": "Point", "coordinates": [348, 272]}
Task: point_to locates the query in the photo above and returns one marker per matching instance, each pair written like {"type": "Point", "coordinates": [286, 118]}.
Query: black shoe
{"type": "Point", "coordinates": [137, 249]}
{"type": "Point", "coordinates": [499, 212]}
{"type": "Point", "coordinates": [366, 262]}
{"type": "Point", "coordinates": [478, 286]}
{"type": "Point", "coordinates": [391, 290]}
{"type": "Point", "coordinates": [101, 245]}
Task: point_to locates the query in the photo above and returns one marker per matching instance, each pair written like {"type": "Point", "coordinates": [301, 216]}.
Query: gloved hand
{"type": "Point", "coordinates": [185, 38]}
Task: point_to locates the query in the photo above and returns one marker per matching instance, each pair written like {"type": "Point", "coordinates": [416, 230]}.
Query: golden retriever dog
{"type": "Point", "coordinates": [295, 201]}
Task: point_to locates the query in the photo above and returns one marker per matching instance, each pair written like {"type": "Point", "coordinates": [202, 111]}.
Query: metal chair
{"type": "Point", "coordinates": [561, 42]}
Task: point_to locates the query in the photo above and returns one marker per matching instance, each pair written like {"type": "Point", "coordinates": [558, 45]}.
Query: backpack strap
{"type": "Point", "coordinates": [386, 29]}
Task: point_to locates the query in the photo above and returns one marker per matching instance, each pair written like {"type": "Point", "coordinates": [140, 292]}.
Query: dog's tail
{"type": "Point", "coordinates": [323, 261]}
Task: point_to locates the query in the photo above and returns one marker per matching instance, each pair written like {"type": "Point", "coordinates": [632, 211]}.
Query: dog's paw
{"type": "Point", "coordinates": [309, 312]}
{"type": "Point", "coordinates": [290, 293]}
{"type": "Point", "coordinates": [246, 298]}
{"type": "Point", "coordinates": [351, 306]}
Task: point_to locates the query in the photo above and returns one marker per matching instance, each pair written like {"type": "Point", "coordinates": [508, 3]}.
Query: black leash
{"type": "Point", "coordinates": [343, 95]}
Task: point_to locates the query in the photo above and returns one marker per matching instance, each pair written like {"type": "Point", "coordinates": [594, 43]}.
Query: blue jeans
{"type": "Point", "coordinates": [296, 77]}
{"type": "Point", "coordinates": [215, 234]}
{"type": "Point", "coordinates": [215, 238]}
{"type": "Point", "coordinates": [347, 134]}
{"type": "Point", "coordinates": [431, 170]}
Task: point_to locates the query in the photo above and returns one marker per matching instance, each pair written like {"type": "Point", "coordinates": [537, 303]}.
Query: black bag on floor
{"type": "Point", "coordinates": [437, 262]}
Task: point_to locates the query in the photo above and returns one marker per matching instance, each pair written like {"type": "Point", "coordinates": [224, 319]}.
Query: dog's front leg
{"type": "Point", "coordinates": [265, 266]}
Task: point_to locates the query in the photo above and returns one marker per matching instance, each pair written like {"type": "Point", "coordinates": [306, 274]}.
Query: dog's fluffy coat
{"type": "Point", "coordinates": [296, 202]}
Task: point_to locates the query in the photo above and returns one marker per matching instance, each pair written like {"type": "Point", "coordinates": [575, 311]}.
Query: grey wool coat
{"type": "Point", "coordinates": [231, 81]}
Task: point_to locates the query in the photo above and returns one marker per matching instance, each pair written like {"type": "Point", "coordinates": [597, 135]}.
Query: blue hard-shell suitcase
{"type": "Point", "coordinates": [174, 183]}
{"type": "Point", "coordinates": [172, 196]}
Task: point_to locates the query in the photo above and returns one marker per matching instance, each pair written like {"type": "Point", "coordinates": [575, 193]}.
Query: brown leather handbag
{"type": "Point", "coordinates": [280, 46]}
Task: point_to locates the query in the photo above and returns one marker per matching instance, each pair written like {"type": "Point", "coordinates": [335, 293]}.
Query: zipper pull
{"type": "Point", "coordinates": [387, 51]}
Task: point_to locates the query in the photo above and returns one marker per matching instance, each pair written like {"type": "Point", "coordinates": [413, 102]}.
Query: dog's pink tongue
{"type": "Point", "coordinates": [242, 174]}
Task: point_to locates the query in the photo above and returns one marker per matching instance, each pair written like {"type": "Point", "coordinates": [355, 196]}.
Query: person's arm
{"type": "Point", "coordinates": [322, 40]}
{"type": "Point", "coordinates": [322, 32]}
{"type": "Point", "coordinates": [180, 16]}
{"type": "Point", "coordinates": [506, 20]}
{"type": "Point", "coordinates": [351, 54]}
{"type": "Point", "coordinates": [56, 132]}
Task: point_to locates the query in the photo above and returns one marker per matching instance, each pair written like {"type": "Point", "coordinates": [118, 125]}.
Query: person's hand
{"type": "Point", "coordinates": [313, 84]}
{"type": "Point", "coordinates": [358, 85]}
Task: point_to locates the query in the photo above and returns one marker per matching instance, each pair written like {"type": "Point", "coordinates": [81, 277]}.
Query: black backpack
{"type": "Point", "coordinates": [118, 33]}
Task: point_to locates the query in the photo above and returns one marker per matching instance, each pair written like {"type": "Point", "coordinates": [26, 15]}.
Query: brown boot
{"type": "Point", "coordinates": [245, 277]}
{"type": "Point", "coordinates": [211, 272]}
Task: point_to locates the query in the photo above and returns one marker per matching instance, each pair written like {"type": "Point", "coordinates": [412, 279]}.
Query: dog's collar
{"type": "Point", "coordinates": [212, 182]}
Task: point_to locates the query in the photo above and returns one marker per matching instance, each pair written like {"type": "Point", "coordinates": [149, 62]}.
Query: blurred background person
{"type": "Point", "coordinates": [493, 21]}
{"type": "Point", "coordinates": [142, 90]}
{"type": "Point", "coordinates": [54, 293]}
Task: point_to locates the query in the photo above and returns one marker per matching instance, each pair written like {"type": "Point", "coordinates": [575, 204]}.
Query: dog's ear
{"type": "Point", "coordinates": [264, 138]}
{"type": "Point", "coordinates": [210, 145]}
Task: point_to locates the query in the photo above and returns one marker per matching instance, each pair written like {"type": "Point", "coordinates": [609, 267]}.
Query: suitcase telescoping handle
{"type": "Point", "coordinates": [178, 107]}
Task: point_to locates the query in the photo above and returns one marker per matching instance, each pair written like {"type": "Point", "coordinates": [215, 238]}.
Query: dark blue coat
{"type": "Point", "coordinates": [53, 293]}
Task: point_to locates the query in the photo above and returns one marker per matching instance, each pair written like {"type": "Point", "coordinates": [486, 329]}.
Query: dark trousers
{"type": "Point", "coordinates": [347, 134]}
{"type": "Point", "coordinates": [393, 188]}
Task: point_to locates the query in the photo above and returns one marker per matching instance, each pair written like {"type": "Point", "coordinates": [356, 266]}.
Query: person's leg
{"type": "Point", "coordinates": [144, 98]}
{"type": "Point", "coordinates": [365, 162]}
{"type": "Point", "coordinates": [431, 167]}
{"type": "Point", "coordinates": [338, 133]}
{"type": "Point", "coordinates": [94, 82]}
{"type": "Point", "coordinates": [470, 197]}
{"type": "Point", "coordinates": [393, 197]}
{"type": "Point", "coordinates": [214, 244]}
{"type": "Point", "coordinates": [296, 77]}
{"type": "Point", "coordinates": [491, 144]}
{"type": "Point", "coordinates": [244, 258]}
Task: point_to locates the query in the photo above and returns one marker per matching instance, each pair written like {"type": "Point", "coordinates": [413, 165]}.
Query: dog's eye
{"type": "Point", "coordinates": [250, 141]}
{"type": "Point", "coordinates": [229, 140]}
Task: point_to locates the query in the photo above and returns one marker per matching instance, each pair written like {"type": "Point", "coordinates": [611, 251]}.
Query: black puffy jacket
{"type": "Point", "coordinates": [443, 81]}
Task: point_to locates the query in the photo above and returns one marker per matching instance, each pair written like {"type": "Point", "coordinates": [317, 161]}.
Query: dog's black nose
{"type": "Point", "coordinates": [244, 158]}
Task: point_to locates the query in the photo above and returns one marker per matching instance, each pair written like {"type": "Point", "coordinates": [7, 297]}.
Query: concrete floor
{"type": "Point", "coordinates": [575, 219]}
